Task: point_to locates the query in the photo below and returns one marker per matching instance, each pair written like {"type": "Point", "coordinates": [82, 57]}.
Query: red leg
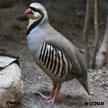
{"type": "Point", "coordinates": [52, 101]}
{"type": "Point", "coordinates": [52, 93]}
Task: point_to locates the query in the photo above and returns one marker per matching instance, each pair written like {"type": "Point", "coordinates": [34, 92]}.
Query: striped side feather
{"type": "Point", "coordinates": [55, 60]}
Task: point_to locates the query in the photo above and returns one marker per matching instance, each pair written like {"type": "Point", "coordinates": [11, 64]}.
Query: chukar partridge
{"type": "Point", "coordinates": [53, 53]}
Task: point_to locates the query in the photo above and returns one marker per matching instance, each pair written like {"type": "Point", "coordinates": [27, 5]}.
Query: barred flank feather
{"type": "Point", "coordinates": [55, 60]}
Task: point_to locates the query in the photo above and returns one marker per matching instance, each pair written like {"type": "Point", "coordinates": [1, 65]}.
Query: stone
{"type": "Point", "coordinates": [5, 61]}
{"type": "Point", "coordinates": [11, 84]}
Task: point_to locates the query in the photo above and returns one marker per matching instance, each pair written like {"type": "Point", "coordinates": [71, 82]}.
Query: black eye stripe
{"type": "Point", "coordinates": [36, 10]}
{"type": "Point", "coordinates": [32, 8]}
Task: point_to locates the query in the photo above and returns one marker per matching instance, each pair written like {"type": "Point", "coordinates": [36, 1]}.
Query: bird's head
{"type": "Point", "coordinates": [36, 11]}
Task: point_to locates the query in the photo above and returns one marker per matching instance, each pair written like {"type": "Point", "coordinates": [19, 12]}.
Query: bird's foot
{"type": "Point", "coordinates": [52, 98]}
{"type": "Point", "coordinates": [51, 101]}
{"type": "Point", "coordinates": [43, 96]}
{"type": "Point", "coordinates": [48, 99]}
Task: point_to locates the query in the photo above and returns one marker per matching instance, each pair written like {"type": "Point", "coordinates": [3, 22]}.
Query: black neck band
{"type": "Point", "coordinates": [33, 26]}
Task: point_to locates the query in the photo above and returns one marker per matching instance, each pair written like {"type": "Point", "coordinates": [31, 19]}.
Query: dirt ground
{"type": "Point", "coordinates": [68, 18]}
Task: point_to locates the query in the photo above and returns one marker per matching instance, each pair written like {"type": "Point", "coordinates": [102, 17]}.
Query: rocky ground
{"type": "Point", "coordinates": [68, 18]}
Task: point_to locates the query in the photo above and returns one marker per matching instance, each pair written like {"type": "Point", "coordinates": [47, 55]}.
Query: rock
{"type": "Point", "coordinates": [5, 61]}
{"type": "Point", "coordinates": [106, 88]}
{"type": "Point", "coordinates": [11, 84]}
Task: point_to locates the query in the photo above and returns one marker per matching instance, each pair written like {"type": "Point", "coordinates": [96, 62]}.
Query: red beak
{"type": "Point", "coordinates": [28, 11]}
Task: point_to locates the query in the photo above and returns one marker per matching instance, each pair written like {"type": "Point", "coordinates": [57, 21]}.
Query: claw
{"type": "Point", "coordinates": [43, 96]}
{"type": "Point", "coordinates": [52, 98]}
{"type": "Point", "coordinates": [46, 100]}
{"type": "Point", "coordinates": [52, 101]}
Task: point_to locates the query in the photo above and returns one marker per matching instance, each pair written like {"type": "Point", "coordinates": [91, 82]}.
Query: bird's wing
{"type": "Point", "coordinates": [55, 60]}
{"type": "Point", "coordinates": [81, 61]}
{"type": "Point", "coordinates": [69, 51]}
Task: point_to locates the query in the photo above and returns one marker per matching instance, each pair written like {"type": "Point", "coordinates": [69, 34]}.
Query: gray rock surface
{"type": "Point", "coordinates": [11, 84]}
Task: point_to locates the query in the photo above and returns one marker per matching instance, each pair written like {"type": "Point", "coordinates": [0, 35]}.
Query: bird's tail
{"type": "Point", "coordinates": [84, 84]}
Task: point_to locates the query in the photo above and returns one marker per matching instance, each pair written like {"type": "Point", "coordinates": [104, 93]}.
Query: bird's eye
{"type": "Point", "coordinates": [32, 8]}
{"type": "Point", "coordinates": [36, 10]}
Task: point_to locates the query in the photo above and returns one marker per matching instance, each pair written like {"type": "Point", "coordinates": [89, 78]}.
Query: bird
{"type": "Point", "coordinates": [53, 53]}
